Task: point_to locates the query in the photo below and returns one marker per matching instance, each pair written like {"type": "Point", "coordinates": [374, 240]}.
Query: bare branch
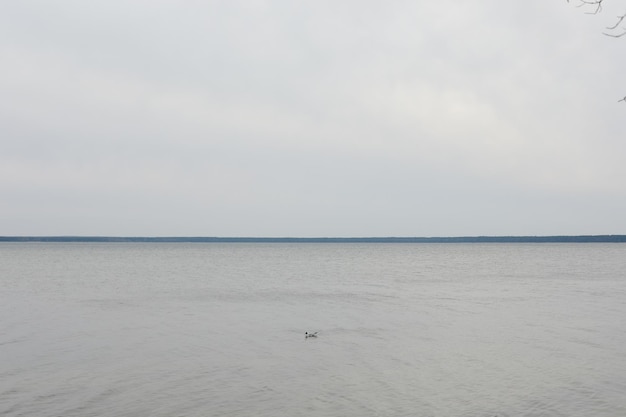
{"type": "Point", "coordinates": [618, 30]}
{"type": "Point", "coordinates": [596, 7]}
{"type": "Point", "coordinates": [615, 36]}
{"type": "Point", "coordinates": [620, 20]}
{"type": "Point", "coordinates": [596, 3]}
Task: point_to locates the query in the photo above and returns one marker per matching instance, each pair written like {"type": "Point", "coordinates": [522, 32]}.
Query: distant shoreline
{"type": "Point", "coordinates": [461, 239]}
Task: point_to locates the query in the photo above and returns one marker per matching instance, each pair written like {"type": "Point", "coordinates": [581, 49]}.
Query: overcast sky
{"type": "Point", "coordinates": [310, 118]}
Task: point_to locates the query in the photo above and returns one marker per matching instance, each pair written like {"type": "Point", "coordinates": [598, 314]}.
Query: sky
{"type": "Point", "coordinates": [311, 118]}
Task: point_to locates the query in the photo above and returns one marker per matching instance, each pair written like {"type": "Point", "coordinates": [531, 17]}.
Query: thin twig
{"type": "Point", "coordinates": [620, 19]}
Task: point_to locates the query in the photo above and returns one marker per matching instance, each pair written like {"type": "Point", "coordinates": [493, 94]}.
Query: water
{"type": "Point", "coordinates": [459, 330]}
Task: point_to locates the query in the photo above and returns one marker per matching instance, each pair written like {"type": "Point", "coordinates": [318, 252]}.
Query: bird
{"type": "Point", "coordinates": [307, 335]}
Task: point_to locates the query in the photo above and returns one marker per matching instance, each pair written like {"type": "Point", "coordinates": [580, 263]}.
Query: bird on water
{"type": "Point", "coordinates": [307, 335]}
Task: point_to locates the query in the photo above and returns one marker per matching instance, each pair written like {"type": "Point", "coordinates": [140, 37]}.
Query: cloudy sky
{"type": "Point", "coordinates": [311, 118]}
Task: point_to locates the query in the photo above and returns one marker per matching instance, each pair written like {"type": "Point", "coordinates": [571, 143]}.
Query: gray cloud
{"type": "Point", "coordinates": [281, 118]}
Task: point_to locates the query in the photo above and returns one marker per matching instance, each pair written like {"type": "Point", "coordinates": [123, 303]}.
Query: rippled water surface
{"type": "Point", "coordinates": [127, 329]}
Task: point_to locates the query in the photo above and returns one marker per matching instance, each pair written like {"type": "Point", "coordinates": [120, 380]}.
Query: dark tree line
{"type": "Point", "coordinates": [460, 239]}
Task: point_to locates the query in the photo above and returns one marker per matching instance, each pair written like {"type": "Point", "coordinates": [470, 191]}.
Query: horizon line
{"type": "Point", "coordinates": [287, 239]}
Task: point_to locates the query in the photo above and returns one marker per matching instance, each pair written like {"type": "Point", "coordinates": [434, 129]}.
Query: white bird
{"type": "Point", "coordinates": [307, 335]}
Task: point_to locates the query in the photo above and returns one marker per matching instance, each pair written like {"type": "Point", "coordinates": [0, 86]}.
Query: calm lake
{"type": "Point", "coordinates": [212, 329]}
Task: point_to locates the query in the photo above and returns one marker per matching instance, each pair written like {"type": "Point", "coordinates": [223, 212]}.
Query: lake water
{"type": "Point", "coordinates": [458, 330]}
